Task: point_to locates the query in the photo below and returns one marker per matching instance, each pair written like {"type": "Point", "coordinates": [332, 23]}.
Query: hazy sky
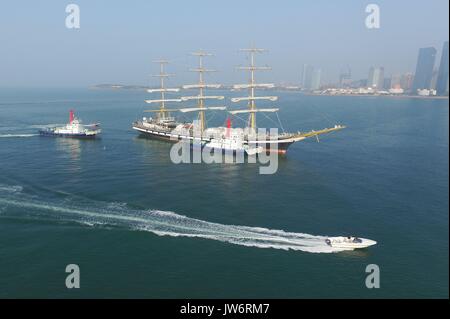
{"type": "Point", "coordinates": [118, 39]}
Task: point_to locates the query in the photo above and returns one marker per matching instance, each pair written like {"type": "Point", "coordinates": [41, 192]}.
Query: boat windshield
{"type": "Point", "coordinates": [357, 240]}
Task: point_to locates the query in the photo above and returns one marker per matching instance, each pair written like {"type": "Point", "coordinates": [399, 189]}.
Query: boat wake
{"type": "Point", "coordinates": [15, 203]}
{"type": "Point", "coordinates": [10, 189]}
{"type": "Point", "coordinates": [23, 130]}
{"type": "Point", "coordinates": [17, 135]}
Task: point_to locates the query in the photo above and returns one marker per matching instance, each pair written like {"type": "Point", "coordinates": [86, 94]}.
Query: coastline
{"type": "Point", "coordinates": [276, 89]}
{"type": "Point", "coordinates": [385, 96]}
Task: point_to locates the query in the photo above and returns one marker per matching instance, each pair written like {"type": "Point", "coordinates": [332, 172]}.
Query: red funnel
{"type": "Point", "coordinates": [71, 116]}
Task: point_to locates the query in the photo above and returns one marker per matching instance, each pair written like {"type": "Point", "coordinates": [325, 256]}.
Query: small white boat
{"type": "Point", "coordinates": [349, 242]}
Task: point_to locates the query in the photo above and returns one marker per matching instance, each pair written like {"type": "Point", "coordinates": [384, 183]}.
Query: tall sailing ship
{"type": "Point", "coordinates": [248, 139]}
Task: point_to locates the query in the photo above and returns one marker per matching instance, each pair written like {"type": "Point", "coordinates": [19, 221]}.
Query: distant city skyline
{"type": "Point", "coordinates": [117, 41]}
{"type": "Point", "coordinates": [431, 75]}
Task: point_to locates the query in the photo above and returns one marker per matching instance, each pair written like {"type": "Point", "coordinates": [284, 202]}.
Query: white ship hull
{"type": "Point", "coordinates": [250, 146]}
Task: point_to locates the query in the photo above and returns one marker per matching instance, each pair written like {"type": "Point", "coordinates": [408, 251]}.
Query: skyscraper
{"type": "Point", "coordinates": [434, 79]}
{"type": "Point", "coordinates": [376, 78]}
{"type": "Point", "coordinates": [442, 79]}
{"type": "Point", "coordinates": [396, 82]}
{"type": "Point", "coordinates": [387, 83]}
{"type": "Point", "coordinates": [307, 76]}
{"type": "Point", "coordinates": [406, 81]}
{"type": "Point", "coordinates": [380, 84]}
{"type": "Point", "coordinates": [424, 69]}
{"type": "Point", "coordinates": [316, 79]}
{"type": "Point", "coordinates": [345, 77]}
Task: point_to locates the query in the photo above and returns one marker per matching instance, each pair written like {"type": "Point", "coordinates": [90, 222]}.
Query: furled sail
{"type": "Point", "coordinates": [201, 86]}
{"type": "Point", "coordinates": [254, 98]}
{"type": "Point", "coordinates": [193, 109]}
{"type": "Point", "coordinates": [163, 90]}
{"type": "Point", "coordinates": [197, 109]}
{"type": "Point", "coordinates": [202, 97]}
{"type": "Point", "coordinates": [254, 85]}
{"type": "Point", "coordinates": [162, 100]}
{"type": "Point", "coordinates": [165, 110]}
{"type": "Point", "coordinates": [273, 110]}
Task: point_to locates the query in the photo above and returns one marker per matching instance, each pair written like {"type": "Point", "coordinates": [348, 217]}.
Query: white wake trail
{"type": "Point", "coordinates": [24, 131]}
{"type": "Point", "coordinates": [17, 135]}
{"type": "Point", "coordinates": [161, 223]}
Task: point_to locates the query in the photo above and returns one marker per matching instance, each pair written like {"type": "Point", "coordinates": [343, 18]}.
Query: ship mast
{"type": "Point", "coordinates": [162, 112]}
{"type": "Point", "coordinates": [202, 86]}
{"type": "Point", "coordinates": [251, 86]}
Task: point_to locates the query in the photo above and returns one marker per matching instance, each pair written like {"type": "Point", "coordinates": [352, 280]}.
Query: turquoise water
{"type": "Point", "coordinates": [140, 226]}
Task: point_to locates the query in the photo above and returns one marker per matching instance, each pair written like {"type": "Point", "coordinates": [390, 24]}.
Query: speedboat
{"type": "Point", "coordinates": [349, 242]}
